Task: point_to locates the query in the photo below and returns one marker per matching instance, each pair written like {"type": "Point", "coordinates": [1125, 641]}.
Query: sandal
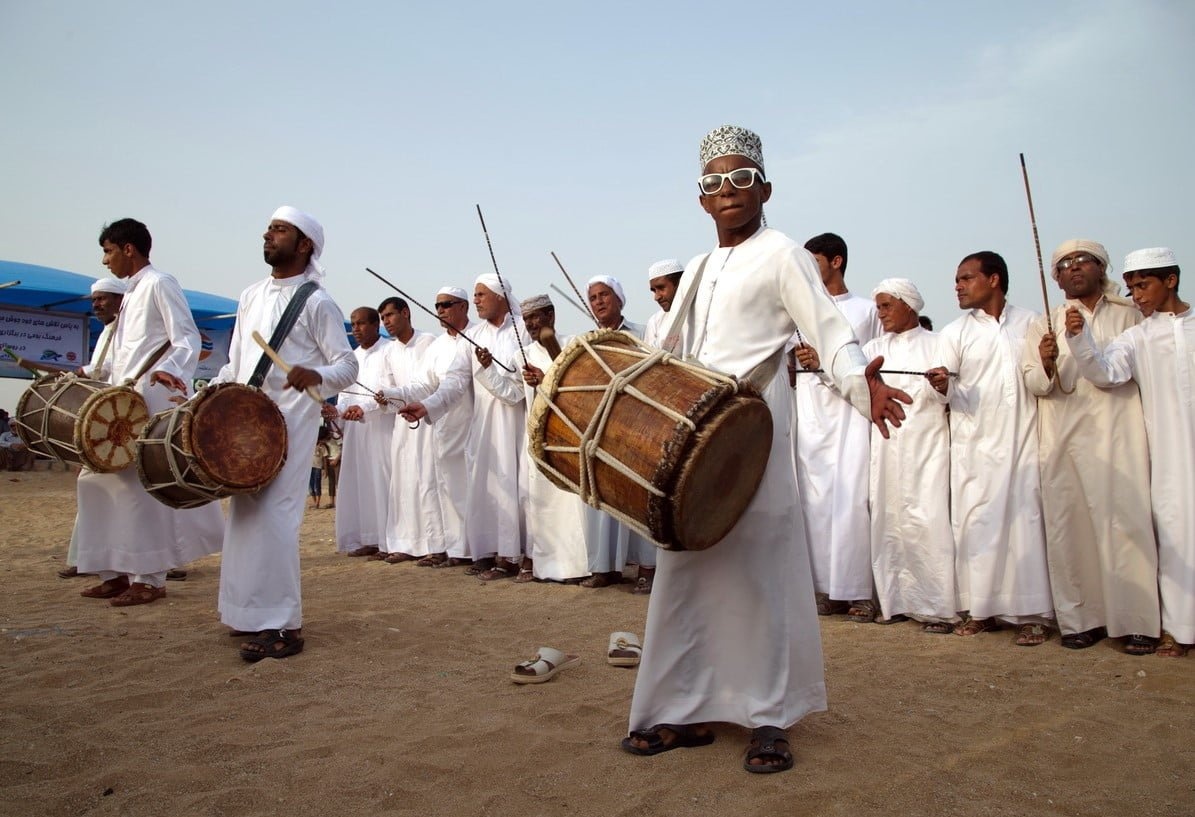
{"type": "Point", "coordinates": [543, 667]}
{"type": "Point", "coordinates": [107, 589]}
{"type": "Point", "coordinates": [642, 586]}
{"type": "Point", "coordinates": [602, 579]}
{"type": "Point", "coordinates": [525, 575]}
{"type": "Point", "coordinates": [1137, 644]}
{"type": "Point", "coordinates": [432, 560]}
{"type": "Point", "coordinates": [862, 612]}
{"type": "Point", "coordinates": [138, 593]}
{"type": "Point", "coordinates": [938, 627]}
{"type": "Point", "coordinates": [502, 570]}
{"type": "Point", "coordinates": [399, 558]}
{"type": "Point", "coordinates": [766, 743]}
{"type": "Point", "coordinates": [364, 550]}
{"type": "Point", "coordinates": [272, 644]}
{"type": "Point", "coordinates": [683, 737]}
{"type": "Point", "coordinates": [1168, 647]}
{"type": "Point", "coordinates": [1083, 640]}
{"type": "Point", "coordinates": [896, 619]}
{"type": "Point", "coordinates": [1032, 635]}
{"type": "Point", "coordinates": [623, 650]}
{"type": "Point", "coordinates": [974, 626]}
{"type": "Point", "coordinates": [479, 567]}
{"type": "Point", "coordinates": [453, 561]}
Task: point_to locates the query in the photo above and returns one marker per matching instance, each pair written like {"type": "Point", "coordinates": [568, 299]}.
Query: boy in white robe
{"type": "Point", "coordinates": [124, 535]}
{"type": "Point", "coordinates": [1100, 543]}
{"type": "Point", "coordinates": [260, 587]}
{"type": "Point", "coordinates": [1159, 354]}
{"type": "Point", "coordinates": [732, 632]}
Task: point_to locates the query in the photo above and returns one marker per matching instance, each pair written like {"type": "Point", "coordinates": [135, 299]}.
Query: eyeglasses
{"type": "Point", "coordinates": [742, 178]}
{"type": "Point", "coordinates": [447, 304]}
{"type": "Point", "coordinates": [1067, 263]}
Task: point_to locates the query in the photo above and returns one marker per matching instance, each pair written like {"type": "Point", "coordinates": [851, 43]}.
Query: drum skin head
{"type": "Point", "coordinates": [237, 436]}
{"type": "Point", "coordinates": [109, 424]}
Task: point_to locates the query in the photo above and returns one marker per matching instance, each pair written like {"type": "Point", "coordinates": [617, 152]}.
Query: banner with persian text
{"type": "Point", "coordinates": [55, 338]}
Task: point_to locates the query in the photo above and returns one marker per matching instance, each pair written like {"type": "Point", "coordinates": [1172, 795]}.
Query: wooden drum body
{"type": "Point", "coordinates": [672, 449]}
{"type": "Point", "coordinates": [85, 422]}
{"type": "Point", "coordinates": [231, 439]}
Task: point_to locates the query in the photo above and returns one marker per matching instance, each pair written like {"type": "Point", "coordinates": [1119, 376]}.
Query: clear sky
{"type": "Point", "coordinates": [576, 128]}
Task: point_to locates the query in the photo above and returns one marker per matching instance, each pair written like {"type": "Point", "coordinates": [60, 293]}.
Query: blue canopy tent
{"type": "Point", "coordinates": [34, 288]}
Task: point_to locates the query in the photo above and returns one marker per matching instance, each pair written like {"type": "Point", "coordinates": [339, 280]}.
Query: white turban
{"type": "Point", "coordinates": [1149, 258]}
{"type": "Point", "coordinates": [306, 224]}
{"type": "Point", "coordinates": [902, 289]}
{"type": "Point", "coordinates": [669, 266]}
{"type": "Point", "coordinates": [1092, 248]}
{"type": "Point", "coordinates": [453, 292]}
{"type": "Point", "coordinates": [113, 285]}
{"type": "Point", "coordinates": [491, 282]}
{"type": "Point", "coordinates": [611, 282]}
{"type": "Point", "coordinates": [731, 140]}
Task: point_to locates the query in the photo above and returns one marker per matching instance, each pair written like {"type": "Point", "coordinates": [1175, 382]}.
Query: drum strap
{"type": "Point", "coordinates": [286, 323]}
{"type": "Point", "coordinates": [672, 341]}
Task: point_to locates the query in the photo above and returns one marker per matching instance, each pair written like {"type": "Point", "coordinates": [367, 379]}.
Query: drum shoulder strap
{"type": "Point", "coordinates": [671, 343]}
{"type": "Point", "coordinates": [286, 323]}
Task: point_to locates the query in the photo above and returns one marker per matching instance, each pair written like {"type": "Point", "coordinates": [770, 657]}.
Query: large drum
{"type": "Point", "coordinates": [81, 421]}
{"type": "Point", "coordinates": [230, 439]}
{"type": "Point", "coordinates": [672, 449]}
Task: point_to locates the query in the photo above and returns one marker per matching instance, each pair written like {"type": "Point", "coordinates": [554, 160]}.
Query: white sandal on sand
{"type": "Point", "coordinates": [623, 650]}
{"type": "Point", "coordinates": [543, 667]}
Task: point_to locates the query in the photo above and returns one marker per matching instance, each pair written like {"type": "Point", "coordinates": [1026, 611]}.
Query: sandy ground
{"type": "Point", "coordinates": [402, 704]}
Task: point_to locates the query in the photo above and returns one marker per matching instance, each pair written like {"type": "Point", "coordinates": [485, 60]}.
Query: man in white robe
{"type": "Point", "coordinates": [613, 544]}
{"type": "Point", "coordinates": [448, 409]}
{"type": "Point", "coordinates": [260, 587]}
{"type": "Point", "coordinates": [106, 296]}
{"type": "Point", "coordinates": [367, 429]}
{"type": "Point", "coordinates": [1159, 354]}
{"type": "Point", "coordinates": [663, 277]}
{"type": "Point", "coordinates": [912, 545]}
{"type": "Point", "coordinates": [556, 549]}
{"type": "Point", "coordinates": [1100, 543]}
{"type": "Point", "coordinates": [995, 483]}
{"type": "Point", "coordinates": [732, 632]}
{"type": "Point", "coordinates": [124, 535]}
{"type": "Point", "coordinates": [414, 523]}
{"type": "Point", "coordinates": [495, 528]}
{"type": "Point", "coordinates": [832, 444]}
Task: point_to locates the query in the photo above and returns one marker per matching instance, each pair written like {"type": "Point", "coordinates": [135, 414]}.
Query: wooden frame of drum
{"type": "Point", "coordinates": [672, 449]}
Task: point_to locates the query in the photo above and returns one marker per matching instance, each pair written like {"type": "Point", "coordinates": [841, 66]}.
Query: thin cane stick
{"type": "Point", "coordinates": [282, 364]}
{"type": "Point", "coordinates": [1041, 269]}
{"type": "Point", "coordinates": [434, 315]}
{"type": "Point", "coordinates": [569, 299]}
{"type": "Point", "coordinates": [502, 286]}
{"type": "Point", "coordinates": [584, 306]}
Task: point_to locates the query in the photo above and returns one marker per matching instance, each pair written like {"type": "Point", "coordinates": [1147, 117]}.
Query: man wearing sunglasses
{"type": "Point", "coordinates": [1100, 545]}
{"type": "Point", "coordinates": [732, 631]}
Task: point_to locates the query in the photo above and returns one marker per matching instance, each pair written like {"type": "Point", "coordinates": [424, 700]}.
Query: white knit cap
{"type": "Point", "coordinates": [669, 266]}
{"type": "Point", "coordinates": [535, 303]}
{"type": "Point", "coordinates": [108, 284]}
{"type": "Point", "coordinates": [611, 282]}
{"type": "Point", "coordinates": [1149, 258]}
{"type": "Point", "coordinates": [731, 140]}
{"type": "Point", "coordinates": [902, 289]}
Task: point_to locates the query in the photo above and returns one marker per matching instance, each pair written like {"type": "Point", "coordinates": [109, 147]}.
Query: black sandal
{"type": "Point", "coordinates": [1085, 639]}
{"type": "Point", "coordinates": [763, 745]}
{"type": "Point", "coordinates": [684, 737]}
{"type": "Point", "coordinates": [274, 644]}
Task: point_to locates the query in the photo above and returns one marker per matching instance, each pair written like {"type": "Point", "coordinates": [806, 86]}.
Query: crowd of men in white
{"type": "Point", "coordinates": [1041, 478]}
{"type": "Point", "coordinates": [1017, 492]}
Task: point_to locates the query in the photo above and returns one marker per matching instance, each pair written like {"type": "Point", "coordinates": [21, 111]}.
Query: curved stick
{"type": "Point", "coordinates": [1041, 270]}
{"type": "Point", "coordinates": [583, 302]}
{"type": "Point", "coordinates": [502, 285]}
{"type": "Point", "coordinates": [434, 315]}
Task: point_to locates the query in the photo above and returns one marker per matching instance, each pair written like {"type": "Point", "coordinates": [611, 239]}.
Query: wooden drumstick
{"type": "Point", "coordinates": [547, 339]}
{"type": "Point", "coordinates": [30, 366]}
{"type": "Point", "coordinates": [282, 364]}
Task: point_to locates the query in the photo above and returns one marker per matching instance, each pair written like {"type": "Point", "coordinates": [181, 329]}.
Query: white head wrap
{"type": "Point", "coordinates": [1095, 250]}
{"type": "Point", "coordinates": [669, 266]}
{"type": "Point", "coordinates": [1150, 258]}
{"type": "Point", "coordinates": [535, 302]}
{"type": "Point", "coordinates": [109, 284]}
{"type": "Point", "coordinates": [306, 224]}
{"type": "Point", "coordinates": [490, 281]}
{"type": "Point", "coordinates": [903, 289]}
{"type": "Point", "coordinates": [453, 292]}
{"type": "Point", "coordinates": [731, 140]}
{"type": "Point", "coordinates": [609, 281]}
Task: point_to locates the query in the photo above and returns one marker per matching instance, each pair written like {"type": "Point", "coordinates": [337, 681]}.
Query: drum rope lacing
{"type": "Point", "coordinates": [43, 433]}
{"type": "Point", "coordinates": [174, 454]}
{"type": "Point", "coordinates": [589, 448]}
